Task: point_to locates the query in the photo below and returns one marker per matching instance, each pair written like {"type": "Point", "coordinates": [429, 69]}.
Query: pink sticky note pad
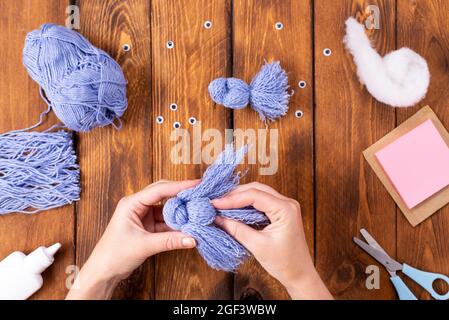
{"type": "Point", "coordinates": [417, 163]}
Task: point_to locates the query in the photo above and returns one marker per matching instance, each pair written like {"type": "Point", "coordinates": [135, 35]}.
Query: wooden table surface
{"type": "Point", "coordinates": [320, 155]}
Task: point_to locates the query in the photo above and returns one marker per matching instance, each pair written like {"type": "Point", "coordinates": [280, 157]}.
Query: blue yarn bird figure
{"type": "Point", "coordinates": [267, 93]}
{"type": "Point", "coordinates": [192, 213]}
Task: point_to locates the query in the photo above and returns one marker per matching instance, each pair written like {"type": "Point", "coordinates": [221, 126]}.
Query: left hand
{"type": "Point", "coordinates": [136, 231]}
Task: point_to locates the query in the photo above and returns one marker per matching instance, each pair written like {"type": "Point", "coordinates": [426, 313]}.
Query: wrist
{"type": "Point", "coordinates": [308, 287]}
{"type": "Point", "coordinates": [93, 283]}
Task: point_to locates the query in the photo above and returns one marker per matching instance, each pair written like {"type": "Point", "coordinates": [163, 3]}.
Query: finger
{"type": "Point", "coordinates": [157, 182]}
{"type": "Point", "coordinates": [161, 227]}
{"type": "Point", "coordinates": [171, 240]}
{"type": "Point", "coordinates": [260, 200]}
{"type": "Point", "coordinates": [259, 186]}
{"type": "Point", "coordinates": [161, 190]}
{"type": "Point", "coordinates": [244, 234]}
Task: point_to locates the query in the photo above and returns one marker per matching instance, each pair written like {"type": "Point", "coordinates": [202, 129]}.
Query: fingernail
{"type": "Point", "coordinates": [188, 242]}
{"type": "Point", "coordinates": [215, 201]}
{"type": "Point", "coordinates": [218, 220]}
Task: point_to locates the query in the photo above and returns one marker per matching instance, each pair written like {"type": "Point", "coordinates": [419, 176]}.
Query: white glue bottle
{"type": "Point", "coordinates": [20, 274]}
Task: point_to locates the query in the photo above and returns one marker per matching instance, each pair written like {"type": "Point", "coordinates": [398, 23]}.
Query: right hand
{"type": "Point", "coordinates": [281, 247]}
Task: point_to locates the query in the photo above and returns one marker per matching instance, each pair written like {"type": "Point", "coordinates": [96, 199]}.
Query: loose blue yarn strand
{"type": "Point", "coordinates": [38, 171]}
{"type": "Point", "coordinates": [192, 213]}
{"type": "Point", "coordinates": [267, 93]}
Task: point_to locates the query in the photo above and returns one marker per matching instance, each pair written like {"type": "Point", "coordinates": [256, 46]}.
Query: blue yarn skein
{"type": "Point", "coordinates": [85, 87]}
{"type": "Point", "coordinates": [192, 213]}
{"type": "Point", "coordinates": [267, 93]}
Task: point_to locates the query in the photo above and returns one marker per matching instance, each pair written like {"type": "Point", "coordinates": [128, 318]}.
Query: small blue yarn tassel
{"type": "Point", "coordinates": [267, 93]}
{"type": "Point", "coordinates": [38, 171]}
{"type": "Point", "coordinates": [192, 213]}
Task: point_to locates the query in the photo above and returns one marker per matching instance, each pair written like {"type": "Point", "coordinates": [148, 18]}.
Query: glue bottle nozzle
{"type": "Point", "coordinates": [51, 250]}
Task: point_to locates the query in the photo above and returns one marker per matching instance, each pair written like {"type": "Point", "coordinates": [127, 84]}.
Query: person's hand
{"type": "Point", "coordinates": [280, 247]}
{"type": "Point", "coordinates": [136, 231]}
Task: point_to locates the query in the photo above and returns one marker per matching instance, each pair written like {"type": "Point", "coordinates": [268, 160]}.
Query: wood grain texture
{"type": "Point", "coordinates": [181, 75]}
{"type": "Point", "coordinates": [115, 163]}
{"type": "Point", "coordinates": [424, 27]}
{"type": "Point", "coordinates": [320, 155]}
{"type": "Point", "coordinates": [21, 105]}
{"type": "Point", "coordinates": [256, 39]}
{"type": "Point", "coordinates": [348, 120]}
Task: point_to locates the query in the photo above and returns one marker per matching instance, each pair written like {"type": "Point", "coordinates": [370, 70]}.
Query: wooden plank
{"type": "Point", "coordinates": [21, 105]}
{"type": "Point", "coordinates": [424, 27]}
{"type": "Point", "coordinates": [256, 39]}
{"type": "Point", "coordinates": [349, 196]}
{"type": "Point", "coordinates": [181, 75]}
{"type": "Point", "coordinates": [115, 163]}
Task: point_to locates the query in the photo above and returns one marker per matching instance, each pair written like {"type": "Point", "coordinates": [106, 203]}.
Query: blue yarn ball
{"type": "Point", "coordinates": [231, 92]}
{"type": "Point", "coordinates": [85, 87]}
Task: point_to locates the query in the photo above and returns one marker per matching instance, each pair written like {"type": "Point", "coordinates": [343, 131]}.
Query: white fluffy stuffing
{"type": "Point", "coordinates": [400, 78]}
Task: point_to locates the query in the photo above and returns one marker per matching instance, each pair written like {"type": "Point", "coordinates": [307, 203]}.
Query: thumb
{"type": "Point", "coordinates": [240, 231]}
{"type": "Point", "coordinates": [170, 240]}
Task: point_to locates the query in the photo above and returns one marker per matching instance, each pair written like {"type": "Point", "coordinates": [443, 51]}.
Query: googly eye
{"type": "Point", "coordinates": [126, 47]}
{"type": "Point", "coordinates": [177, 125]}
{"type": "Point", "coordinates": [159, 119]}
{"type": "Point", "coordinates": [299, 114]}
{"type": "Point", "coordinates": [192, 120]}
{"type": "Point", "coordinates": [207, 24]}
{"type": "Point", "coordinates": [173, 107]}
{"type": "Point", "coordinates": [170, 44]}
{"type": "Point", "coordinates": [279, 25]}
{"type": "Point", "coordinates": [327, 52]}
{"type": "Point", "coordinates": [302, 84]}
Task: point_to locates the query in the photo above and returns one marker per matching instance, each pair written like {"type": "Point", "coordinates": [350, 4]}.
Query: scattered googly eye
{"type": "Point", "coordinates": [126, 47]}
{"type": "Point", "coordinates": [173, 107]}
{"type": "Point", "coordinates": [279, 25]}
{"type": "Point", "coordinates": [159, 119]}
{"type": "Point", "coordinates": [207, 24]}
{"type": "Point", "coordinates": [302, 84]}
{"type": "Point", "coordinates": [299, 114]}
{"type": "Point", "coordinates": [177, 125]}
{"type": "Point", "coordinates": [192, 120]}
{"type": "Point", "coordinates": [327, 52]}
{"type": "Point", "coordinates": [170, 44]}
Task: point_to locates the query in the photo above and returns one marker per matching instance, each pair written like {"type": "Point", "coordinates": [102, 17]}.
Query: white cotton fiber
{"type": "Point", "coordinates": [400, 78]}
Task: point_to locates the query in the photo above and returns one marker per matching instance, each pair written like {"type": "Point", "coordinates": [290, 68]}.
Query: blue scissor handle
{"type": "Point", "coordinates": [403, 291]}
{"type": "Point", "coordinates": [426, 280]}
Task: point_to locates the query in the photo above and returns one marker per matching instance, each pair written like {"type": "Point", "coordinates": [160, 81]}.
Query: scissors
{"type": "Point", "coordinates": [424, 279]}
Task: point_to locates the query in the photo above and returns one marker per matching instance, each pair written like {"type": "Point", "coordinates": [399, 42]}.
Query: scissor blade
{"type": "Point", "coordinates": [381, 257]}
{"type": "Point", "coordinates": [371, 241]}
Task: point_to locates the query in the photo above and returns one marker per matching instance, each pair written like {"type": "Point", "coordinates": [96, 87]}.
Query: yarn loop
{"type": "Point", "coordinates": [197, 211]}
{"type": "Point", "coordinates": [84, 85]}
{"type": "Point", "coordinates": [267, 93]}
{"type": "Point", "coordinates": [231, 92]}
{"type": "Point", "coordinates": [192, 212]}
